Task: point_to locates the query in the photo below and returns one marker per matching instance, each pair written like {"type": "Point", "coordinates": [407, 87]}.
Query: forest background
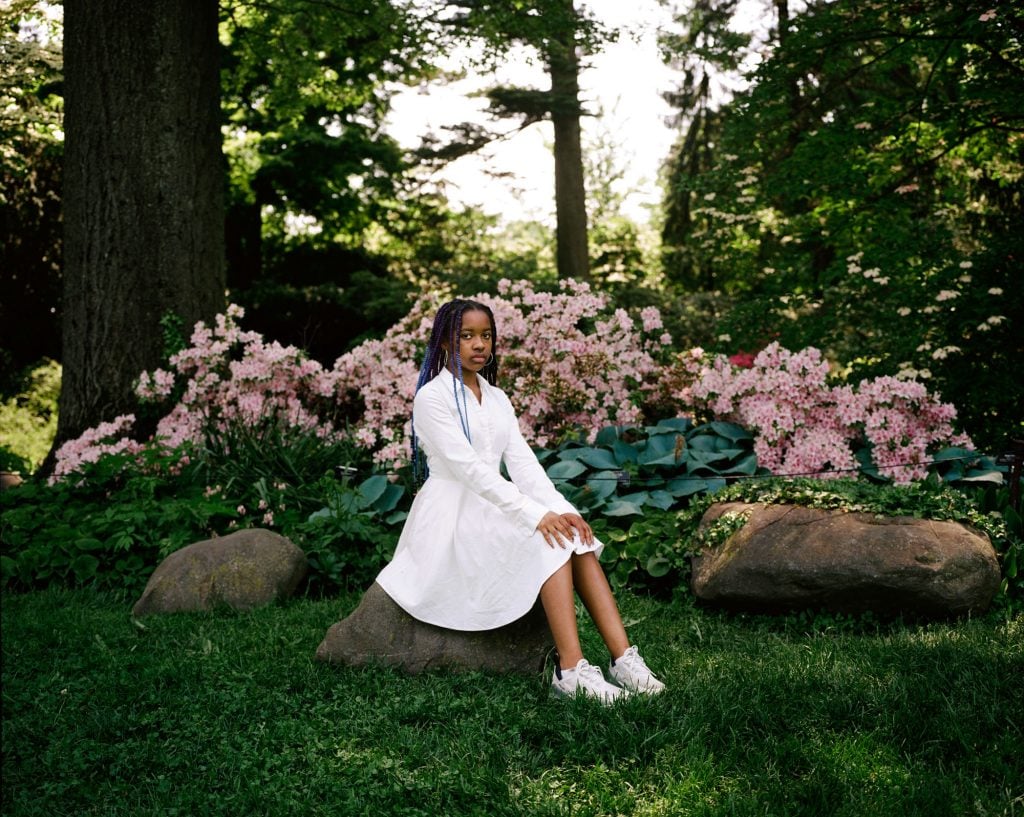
{"type": "Point", "coordinates": [862, 194]}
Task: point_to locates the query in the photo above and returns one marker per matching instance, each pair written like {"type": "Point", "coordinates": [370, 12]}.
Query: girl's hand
{"type": "Point", "coordinates": [562, 529]}
{"type": "Point", "coordinates": [582, 528]}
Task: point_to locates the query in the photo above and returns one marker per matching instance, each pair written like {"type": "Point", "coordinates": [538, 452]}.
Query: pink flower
{"type": "Point", "coordinates": [803, 426]}
{"type": "Point", "coordinates": [743, 360]}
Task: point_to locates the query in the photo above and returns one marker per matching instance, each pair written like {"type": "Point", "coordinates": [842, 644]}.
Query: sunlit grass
{"type": "Point", "coordinates": [229, 714]}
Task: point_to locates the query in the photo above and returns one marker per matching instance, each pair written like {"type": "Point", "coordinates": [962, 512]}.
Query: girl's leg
{"type": "Point", "coordinates": [593, 587]}
{"type": "Point", "coordinates": [556, 595]}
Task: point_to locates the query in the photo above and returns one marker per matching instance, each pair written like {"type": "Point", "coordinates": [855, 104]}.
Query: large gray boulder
{"type": "Point", "coordinates": [243, 570]}
{"type": "Point", "coordinates": [791, 557]}
{"type": "Point", "coordinates": [380, 632]}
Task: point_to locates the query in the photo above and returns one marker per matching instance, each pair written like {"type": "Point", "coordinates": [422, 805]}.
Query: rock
{"type": "Point", "coordinates": [9, 479]}
{"type": "Point", "coordinates": [380, 632]}
{"type": "Point", "coordinates": [242, 570]}
{"type": "Point", "coordinates": [792, 557]}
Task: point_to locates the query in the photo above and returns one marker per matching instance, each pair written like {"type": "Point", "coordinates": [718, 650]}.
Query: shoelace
{"type": "Point", "coordinates": [632, 659]}
{"type": "Point", "coordinates": [591, 673]}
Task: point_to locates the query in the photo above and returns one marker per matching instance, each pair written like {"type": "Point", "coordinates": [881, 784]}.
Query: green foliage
{"type": "Point", "coordinates": [353, 536]}
{"type": "Point", "coordinates": [648, 554]}
{"type": "Point", "coordinates": [228, 714]}
{"type": "Point", "coordinates": [174, 333]}
{"type": "Point", "coordinates": [112, 527]}
{"type": "Point", "coordinates": [314, 182]}
{"type": "Point", "coordinates": [28, 420]}
{"type": "Point", "coordinates": [864, 196]}
{"type": "Point", "coordinates": [632, 482]}
{"type": "Point", "coordinates": [240, 458]}
{"type": "Point", "coordinates": [660, 466]}
{"type": "Point", "coordinates": [31, 151]}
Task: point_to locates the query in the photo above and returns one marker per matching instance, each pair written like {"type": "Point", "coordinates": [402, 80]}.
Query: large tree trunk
{"type": "Point", "coordinates": [570, 194]}
{"type": "Point", "coordinates": [143, 192]}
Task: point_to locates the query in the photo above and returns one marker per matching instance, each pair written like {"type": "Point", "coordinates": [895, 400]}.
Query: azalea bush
{"type": "Point", "coordinates": [226, 380]}
{"type": "Point", "coordinates": [568, 361]}
{"type": "Point", "coordinates": [887, 426]}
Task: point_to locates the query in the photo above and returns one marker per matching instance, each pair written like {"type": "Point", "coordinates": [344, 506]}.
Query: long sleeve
{"type": "Point", "coordinates": [452, 457]}
{"type": "Point", "coordinates": [527, 472]}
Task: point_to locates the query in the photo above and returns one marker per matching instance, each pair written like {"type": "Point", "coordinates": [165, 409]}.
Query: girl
{"type": "Point", "coordinates": [477, 549]}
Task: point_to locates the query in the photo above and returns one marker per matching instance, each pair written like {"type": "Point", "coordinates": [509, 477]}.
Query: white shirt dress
{"type": "Point", "coordinates": [470, 556]}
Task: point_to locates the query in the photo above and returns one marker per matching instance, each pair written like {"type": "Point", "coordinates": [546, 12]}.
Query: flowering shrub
{"type": "Point", "coordinates": [106, 438]}
{"type": "Point", "coordinates": [804, 426]}
{"type": "Point", "coordinates": [567, 361]}
{"type": "Point", "coordinates": [225, 379]}
{"type": "Point", "coordinates": [234, 377]}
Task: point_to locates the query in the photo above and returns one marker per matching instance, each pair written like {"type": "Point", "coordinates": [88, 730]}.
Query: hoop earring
{"type": "Point", "coordinates": [444, 358]}
{"type": "Point", "coordinates": [490, 360]}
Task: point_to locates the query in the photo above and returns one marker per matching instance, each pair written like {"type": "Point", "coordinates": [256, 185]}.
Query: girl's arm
{"type": "Point", "coordinates": [527, 472]}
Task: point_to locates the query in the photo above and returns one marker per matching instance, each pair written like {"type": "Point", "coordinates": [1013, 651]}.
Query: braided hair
{"type": "Point", "coordinates": [447, 329]}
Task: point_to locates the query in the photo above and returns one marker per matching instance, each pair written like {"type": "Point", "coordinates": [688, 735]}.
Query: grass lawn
{"type": "Point", "coordinates": [229, 714]}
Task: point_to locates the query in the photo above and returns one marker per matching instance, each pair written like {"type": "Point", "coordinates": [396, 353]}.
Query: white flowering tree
{"type": "Point", "coordinates": [865, 195]}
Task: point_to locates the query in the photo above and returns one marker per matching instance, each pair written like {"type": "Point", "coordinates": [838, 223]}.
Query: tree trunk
{"type": "Point", "coordinates": [143, 193]}
{"type": "Point", "coordinates": [570, 194]}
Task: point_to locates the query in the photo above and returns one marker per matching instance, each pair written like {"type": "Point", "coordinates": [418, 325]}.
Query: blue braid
{"type": "Point", "coordinates": [449, 317]}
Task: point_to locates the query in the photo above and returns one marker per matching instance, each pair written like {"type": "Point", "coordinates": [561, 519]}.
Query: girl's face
{"type": "Point", "coordinates": [475, 340]}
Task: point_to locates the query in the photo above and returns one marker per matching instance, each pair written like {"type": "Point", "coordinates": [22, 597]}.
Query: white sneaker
{"type": "Point", "coordinates": [630, 672]}
{"type": "Point", "coordinates": [584, 679]}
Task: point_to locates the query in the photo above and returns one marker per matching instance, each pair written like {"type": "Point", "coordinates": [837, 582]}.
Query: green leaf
{"type": "Point", "coordinates": [678, 424]}
{"type": "Point", "coordinates": [661, 450]}
{"type": "Point", "coordinates": [371, 489]}
{"type": "Point", "coordinates": [389, 499]}
{"type": "Point", "coordinates": [658, 566]}
{"type": "Point", "coordinates": [566, 469]}
{"type": "Point", "coordinates": [730, 431]}
{"type": "Point", "coordinates": [1010, 564]}
{"type": "Point", "coordinates": [596, 457]}
{"type": "Point", "coordinates": [610, 554]}
{"type": "Point", "coordinates": [619, 507]}
{"type": "Point", "coordinates": [608, 435]}
{"type": "Point", "coordinates": [687, 486]}
{"type": "Point", "coordinates": [661, 499]}
{"type": "Point", "coordinates": [624, 452]}
{"type": "Point", "coordinates": [952, 453]}
{"type": "Point", "coordinates": [603, 484]}
{"type": "Point", "coordinates": [745, 465]}
{"type": "Point", "coordinates": [84, 566]}
{"type": "Point", "coordinates": [703, 459]}
{"type": "Point", "coordinates": [1013, 520]}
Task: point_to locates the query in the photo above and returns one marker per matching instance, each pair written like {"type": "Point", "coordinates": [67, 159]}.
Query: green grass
{"type": "Point", "coordinates": [229, 714]}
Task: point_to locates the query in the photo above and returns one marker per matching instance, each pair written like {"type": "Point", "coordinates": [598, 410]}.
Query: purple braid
{"type": "Point", "coordinates": [447, 328]}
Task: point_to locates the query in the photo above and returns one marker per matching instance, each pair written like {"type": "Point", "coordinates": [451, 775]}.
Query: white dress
{"type": "Point", "coordinates": [470, 556]}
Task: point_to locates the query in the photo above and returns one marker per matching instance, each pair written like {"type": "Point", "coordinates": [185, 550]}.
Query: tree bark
{"type": "Point", "coordinates": [572, 254]}
{"type": "Point", "coordinates": [143, 193]}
